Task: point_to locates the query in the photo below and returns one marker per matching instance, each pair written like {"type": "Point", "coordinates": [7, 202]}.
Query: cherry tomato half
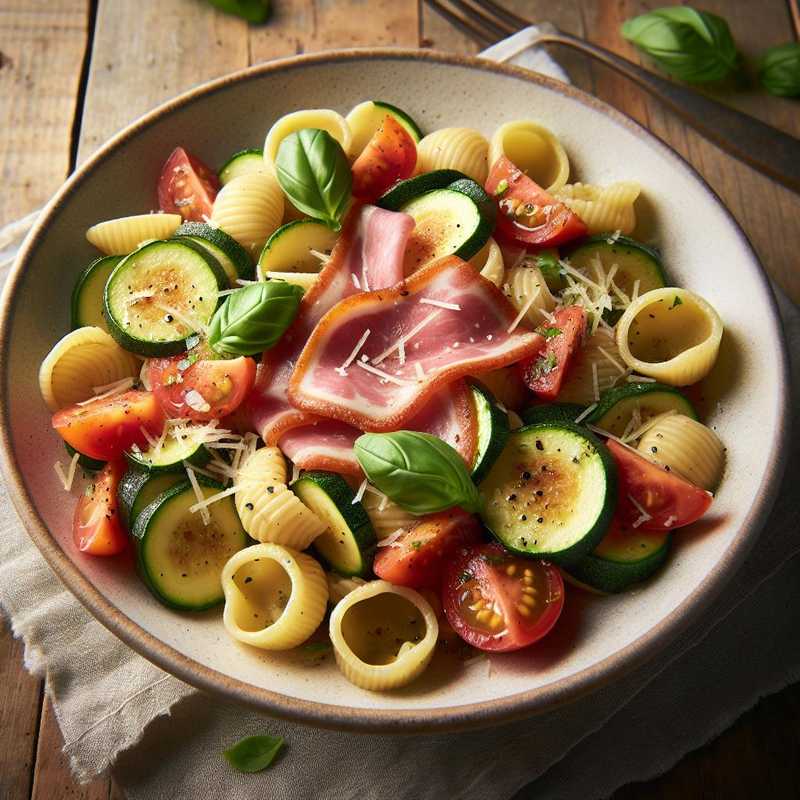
{"type": "Point", "coordinates": [417, 557]}
{"type": "Point", "coordinates": [390, 156]}
{"type": "Point", "coordinates": [669, 500]}
{"type": "Point", "coordinates": [96, 528]}
{"type": "Point", "coordinates": [104, 429]}
{"type": "Point", "coordinates": [497, 601]}
{"type": "Point", "coordinates": [201, 389]}
{"type": "Point", "coordinates": [187, 186]}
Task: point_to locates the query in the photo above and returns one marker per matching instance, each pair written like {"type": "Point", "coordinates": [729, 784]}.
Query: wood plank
{"type": "Point", "coordinates": [148, 51]}
{"type": "Point", "coordinates": [42, 44]}
{"type": "Point", "coordinates": [20, 698]}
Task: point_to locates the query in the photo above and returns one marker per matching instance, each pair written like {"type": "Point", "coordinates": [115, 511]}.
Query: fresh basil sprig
{"type": "Point", "coordinates": [256, 11]}
{"type": "Point", "coordinates": [779, 70]}
{"type": "Point", "coordinates": [254, 318]}
{"type": "Point", "coordinates": [254, 753]}
{"type": "Point", "coordinates": [313, 171]}
{"type": "Point", "coordinates": [421, 473]}
{"type": "Point", "coordinates": [694, 46]}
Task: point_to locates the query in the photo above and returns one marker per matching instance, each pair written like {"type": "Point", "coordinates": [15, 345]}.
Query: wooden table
{"type": "Point", "coordinates": [72, 72]}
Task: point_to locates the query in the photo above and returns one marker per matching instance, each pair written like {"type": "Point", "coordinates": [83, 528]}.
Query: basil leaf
{"type": "Point", "coordinates": [254, 753]}
{"type": "Point", "coordinates": [256, 11]}
{"type": "Point", "coordinates": [691, 45]}
{"type": "Point", "coordinates": [421, 473]}
{"type": "Point", "coordinates": [254, 318]}
{"type": "Point", "coordinates": [779, 70]}
{"type": "Point", "coordinates": [313, 171]}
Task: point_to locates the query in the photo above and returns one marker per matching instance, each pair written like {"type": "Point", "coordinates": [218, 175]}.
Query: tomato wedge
{"type": "Point", "coordinates": [96, 528]}
{"type": "Point", "coordinates": [390, 156]}
{"type": "Point", "coordinates": [497, 601]}
{"type": "Point", "coordinates": [417, 557]}
{"type": "Point", "coordinates": [529, 215]}
{"type": "Point", "coordinates": [544, 373]}
{"type": "Point", "coordinates": [187, 186]}
{"type": "Point", "coordinates": [104, 429]}
{"type": "Point", "coordinates": [201, 389]}
{"type": "Point", "coordinates": [668, 500]}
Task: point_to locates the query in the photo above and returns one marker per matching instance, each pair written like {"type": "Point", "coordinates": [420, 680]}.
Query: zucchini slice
{"type": "Point", "coordinates": [183, 444]}
{"type": "Point", "coordinates": [138, 489]}
{"type": "Point", "coordinates": [405, 191]}
{"type": "Point", "coordinates": [87, 295]}
{"type": "Point", "coordinates": [242, 163]}
{"type": "Point", "coordinates": [180, 558]}
{"type": "Point", "coordinates": [146, 289]}
{"type": "Point", "coordinates": [85, 462]}
{"type": "Point", "coordinates": [634, 261]}
{"type": "Point", "coordinates": [368, 116]}
{"type": "Point", "coordinates": [552, 492]}
{"type": "Point", "coordinates": [456, 221]}
{"type": "Point", "coordinates": [348, 544]}
{"type": "Point", "coordinates": [233, 258]}
{"type": "Point", "coordinates": [289, 249]}
{"type": "Point", "coordinates": [622, 558]}
{"type": "Point", "coordinates": [552, 412]}
{"type": "Point", "coordinates": [617, 405]}
{"type": "Point", "coordinates": [492, 430]}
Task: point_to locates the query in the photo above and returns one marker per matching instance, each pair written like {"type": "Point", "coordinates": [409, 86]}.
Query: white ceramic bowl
{"type": "Point", "coordinates": [597, 639]}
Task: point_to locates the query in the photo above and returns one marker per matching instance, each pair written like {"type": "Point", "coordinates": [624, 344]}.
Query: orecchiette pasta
{"type": "Point", "coordinates": [489, 262]}
{"type": "Point", "coordinates": [275, 597]}
{"type": "Point", "coordinates": [117, 237]}
{"type": "Point", "coordinates": [383, 636]}
{"type": "Point", "coordinates": [687, 447]}
{"type": "Point", "coordinates": [462, 149]}
{"type": "Point", "coordinates": [82, 360]}
{"type": "Point", "coordinates": [386, 516]}
{"type": "Point", "coordinates": [597, 366]}
{"type": "Point", "coordinates": [526, 288]}
{"type": "Point", "coordinates": [603, 208]}
{"type": "Point", "coordinates": [249, 208]}
{"type": "Point", "coordinates": [534, 149]}
{"type": "Point", "coordinates": [670, 334]}
{"type": "Point", "coordinates": [321, 118]}
{"type": "Point", "coordinates": [269, 511]}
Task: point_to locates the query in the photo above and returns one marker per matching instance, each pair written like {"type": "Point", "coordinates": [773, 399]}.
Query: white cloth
{"type": "Point", "coordinates": [167, 739]}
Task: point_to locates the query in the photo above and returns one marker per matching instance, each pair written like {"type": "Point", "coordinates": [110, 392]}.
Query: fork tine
{"type": "Point", "coordinates": [465, 25]}
{"type": "Point", "coordinates": [480, 16]}
{"type": "Point", "coordinates": [502, 13]}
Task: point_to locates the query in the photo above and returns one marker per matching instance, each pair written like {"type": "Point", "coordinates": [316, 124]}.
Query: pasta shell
{"type": "Point", "coordinates": [525, 287]}
{"type": "Point", "coordinates": [118, 237]}
{"type": "Point", "coordinates": [534, 149]}
{"type": "Point", "coordinates": [603, 208]}
{"type": "Point", "coordinates": [339, 586]}
{"type": "Point", "coordinates": [489, 262]}
{"type": "Point", "coordinates": [598, 357]}
{"type": "Point", "coordinates": [385, 515]}
{"type": "Point", "coordinates": [463, 149]}
{"type": "Point", "coordinates": [322, 118]}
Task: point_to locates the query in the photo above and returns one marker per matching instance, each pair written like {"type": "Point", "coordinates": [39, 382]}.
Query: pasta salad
{"type": "Point", "coordinates": [408, 383]}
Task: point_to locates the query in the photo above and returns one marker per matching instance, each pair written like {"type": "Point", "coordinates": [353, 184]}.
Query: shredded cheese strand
{"type": "Point", "coordinates": [404, 339]}
{"type": "Point", "coordinates": [342, 370]}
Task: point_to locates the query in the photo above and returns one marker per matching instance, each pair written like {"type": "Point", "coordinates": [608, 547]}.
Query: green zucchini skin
{"type": "Point", "coordinates": [402, 117]}
{"type": "Point", "coordinates": [403, 192]}
{"type": "Point", "coordinates": [238, 164]}
{"type": "Point", "coordinates": [552, 493]}
{"type": "Point", "coordinates": [138, 489]}
{"type": "Point", "coordinates": [203, 553]}
{"type": "Point", "coordinates": [133, 271]}
{"type": "Point", "coordinates": [552, 412]}
{"type": "Point", "coordinates": [288, 248]}
{"type": "Point", "coordinates": [86, 307]}
{"type": "Point", "coordinates": [85, 462]}
{"type": "Point", "coordinates": [232, 256]}
{"type": "Point", "coordinates": [493, 430]}
{"type": "Point", "coordinates": [348, 545]}
{"type": "Point", "coordinates": [172, 461]}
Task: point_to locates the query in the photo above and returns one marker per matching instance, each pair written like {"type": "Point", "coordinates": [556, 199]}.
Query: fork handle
{"type": "Point", "coordinates": [763, 147]}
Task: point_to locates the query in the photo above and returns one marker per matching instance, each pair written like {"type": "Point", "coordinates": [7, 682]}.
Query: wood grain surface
{"type": "Point", "coordinates": [72, 72]}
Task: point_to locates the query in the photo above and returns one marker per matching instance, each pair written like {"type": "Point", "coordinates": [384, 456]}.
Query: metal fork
{"type": "Point", "coordinates": [763, 147]}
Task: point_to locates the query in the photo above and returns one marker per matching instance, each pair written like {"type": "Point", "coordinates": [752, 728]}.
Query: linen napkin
{"type": "Point", "coordinates": [166, 738]}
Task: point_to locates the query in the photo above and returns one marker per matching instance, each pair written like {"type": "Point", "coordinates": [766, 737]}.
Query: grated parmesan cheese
{"type": "Point", "coordinates": [643, 515]}
{"type": "Point", "coordinates": [360, 493]}
{"type": "Point", "coordinates": [207, 501]}
{"type": "Point", "coordinates": [440, 304]}
{"type": "Point", "coordinates": [69, 477]}
{"type": "Point", "coordinates": [391, 539]}
{"type": "Point", "coordinates": [585, 413]}
{"type": "Point", "coordinates": [404, 339]}
{"type": "Point", "coordinates": [595, 382]}
{"type": "Point", "coordinates": [342, 370]}
{"type": "Point", "coordinates": [523, 311]}
{"type": "Point", "coordinates": [384, 376]}
{"type": "Point", "coordinates": [198, 492]}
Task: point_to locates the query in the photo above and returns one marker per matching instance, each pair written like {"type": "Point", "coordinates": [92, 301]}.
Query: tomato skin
{"type": "Point", "coordinates": [390, 156]}
{"type": "Point", "coordinates": [187, 186]}
{"type": "Point", "coordinates": [96, 527]}
{"type": "Point", "coordinates": [667, 497]}
{"type": "Point", "coordinates": [556, 224]}
{"type": "Point", "coordinates": [417, 558]}
{"type": "Point", "coordinates": [484, 568]}
{"type": "Point", "coordinates": [544, 373]}
{"type": "Point", "coordinates": [106, 428]}
{"type": "Point", "coordinates": [222, 385]}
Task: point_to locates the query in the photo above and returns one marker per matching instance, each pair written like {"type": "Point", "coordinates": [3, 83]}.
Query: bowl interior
{"type": "Point", "coordinates": [703, 250]}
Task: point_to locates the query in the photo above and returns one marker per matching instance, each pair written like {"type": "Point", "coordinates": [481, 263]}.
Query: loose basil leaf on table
{"type": "Point", "coordinates": [694, 46]}
{"type": "Point", "coordinates": [254, 318]}
{"type": "Point", "coordinates": [419, 472]}
{"type": "Point", "coordinates": [314, 173]}
{"type": "Point", "coordinates": [256, 11]}
{"type": "Point", "coordinates": [779, 70]}
{"type": "Point", "coordinates": [254, 753]}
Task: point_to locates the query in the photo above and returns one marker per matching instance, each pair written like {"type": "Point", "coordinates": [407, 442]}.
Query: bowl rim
{"type": "Point", "coordinates": [368, 719]}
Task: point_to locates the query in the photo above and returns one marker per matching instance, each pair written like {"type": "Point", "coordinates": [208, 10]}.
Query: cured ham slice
{"type": "Point", "coordinates": [328, 444]}
{"type": "Point", "coordinates": [368, 255]}
{"type": "Point", "coordinates": [376, 358]}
